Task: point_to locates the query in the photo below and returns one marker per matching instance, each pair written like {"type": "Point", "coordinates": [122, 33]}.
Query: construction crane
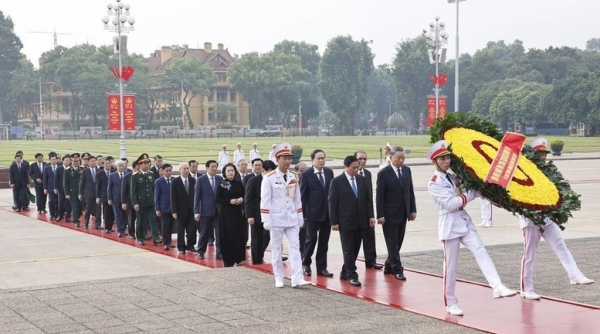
{"type": "Point", "coordinates": [54, 33]}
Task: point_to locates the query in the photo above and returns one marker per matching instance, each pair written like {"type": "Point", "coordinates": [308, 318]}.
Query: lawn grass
{"type": "Point", "coordinates": [184, 149]}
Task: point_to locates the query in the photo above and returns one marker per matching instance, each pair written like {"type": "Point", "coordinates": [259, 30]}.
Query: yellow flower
{"type": "Point", "coordinates": [529, 186]}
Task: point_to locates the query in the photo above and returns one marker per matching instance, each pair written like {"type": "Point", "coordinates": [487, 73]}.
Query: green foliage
{"type": "Point", "coordinates": [381, 95]}
{"type": "Point", "coordinates": [345, 70]}
{"type": "Point", "coordinates": [557, 142]}
{"type": "Point", "coordinates": [10, 56]}
{"type": "Point", "coordinates": [194, 77]}
{"type": "Point", "coordinates": [497, 194]}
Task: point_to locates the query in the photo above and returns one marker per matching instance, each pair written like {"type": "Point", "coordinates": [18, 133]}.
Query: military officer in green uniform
{"type": "Point", "coordinates": [71, 185]}
{"type": "Point", "coordinates": [142, 198]}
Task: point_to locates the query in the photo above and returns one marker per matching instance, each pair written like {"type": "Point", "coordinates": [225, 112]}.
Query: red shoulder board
{"type": "Point", "coordinates": [434, 178]}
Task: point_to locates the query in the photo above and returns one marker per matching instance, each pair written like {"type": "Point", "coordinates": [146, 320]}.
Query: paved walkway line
{"type": "Point", "coordinates": [76, 257]}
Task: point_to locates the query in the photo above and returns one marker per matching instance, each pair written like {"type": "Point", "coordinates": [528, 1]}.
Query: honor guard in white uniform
{"type": "Point", "coordinates": [223, 157]}
{"type": "Point", "coordinates": [238, 154]}
{"type": "Point", "coordinates": [486, 213]}
{"type": "Point", "coordinates": [551, 233]}
{"type": "Point", "coordinates": [455, 227]}
{"type": "Point", "coordinates": [387, 149]}
{"type": "Point", "coordinates": [254, 153]}
{"type": "Point", "coordinates": [272, 153]}
{"type": "Point", "coordinates": [281, 213]}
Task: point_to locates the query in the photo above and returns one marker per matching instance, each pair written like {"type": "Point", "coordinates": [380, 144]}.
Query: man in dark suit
{"type": "Point", "coordinates": [299, 169]}
{"type": "Point", "coordinates": [49, 188]}
{"type": "Point", "coordinates": [155, 170]}
{"type": "Point", "coordinates": [369, 247]}
{"type": "Point", "coordinates": [252, 208]}
{"type": "Point", "coordinates": [102, 197]}
{"type": "Point", "coordinates": [71, 179]}
{"type": "Point", "coordinates": [205, 208]}
{"type": "Point", "coordinates": [87, 192]}
{"type": "Point", "coordinates": [395, 205]}
{"type": "Point", "coordinates": [36, 172]}
{"type": "Point", "coordinates": [182, 207]}
{"type": "Point", "coordinates": [242, 174]}
{"type": "Point", "coordinates": [19, 180]}
{"type": "Point", "coordinates": [314, 187]}
{"type": "Point", "coordinates": [64, 205]}
{"type": "Point", "coordinates": [126, 198]}
{"type": "Point", "coordinates": [113, 196]}
{"type": "Point", "coordinates": [194, 169]}
{"type": "Point", "coordinates": [162, 204]}
{"type": "Point", "coordinates": [351, 212]}
{"type": "Point", "coordinates": [257, 169]}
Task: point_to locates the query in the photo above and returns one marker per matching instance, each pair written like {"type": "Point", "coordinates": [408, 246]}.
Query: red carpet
{"type": "Point", "coordinates": [422, 294]}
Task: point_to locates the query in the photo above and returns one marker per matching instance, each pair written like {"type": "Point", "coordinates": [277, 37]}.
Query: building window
{"type": "Point", "coordinates": [221, 95]}
{"type": "Point", "coordinates": [232, 95]}
{"type": "Point", "coordinates": [222, 77]}
{"type": "Point", "coordinates": [210, 97]}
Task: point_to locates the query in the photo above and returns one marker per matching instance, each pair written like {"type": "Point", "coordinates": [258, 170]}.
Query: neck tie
{"type": "Point", "coordinates": [121, 176]}
{"type": "Point", "coordinates": [449, 179]}
{"type": "Point", "coordinates": [361, 173]}
{"type": "Point", "coordinates": [185, 184]}
{"type": "Point", "coordinates": [212, 183]}
{"type": "Point", "coordinates": [19, 166]}
{"type": "Point", "coordinates": [321, 178]}
{"type": "Point", "coordinates": [354, 188]}
{"type": "Point", "coordinates": [400, 173]}
{"type": "Point", "coordinates": [94, 174]}
{"type": "Point", "coordinates": [53, 169]}
{"type": "Point", "coordinates": [169, 182]}
{"type": "Point", "coordinates": [285, 177]}
{"type": "Point", "coordinates": [40, 165]}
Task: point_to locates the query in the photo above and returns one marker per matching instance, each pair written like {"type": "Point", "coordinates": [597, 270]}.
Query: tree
{"type": "Point", "coordinates": [24, 92]}
{"type": "Point", "coordinates": [573, 99]}
{"type": "Point", "coordinates": [593, 45]}
{"type": "Point", "coordinates": [94, 82]}
{"type": "Point", "coordinates": [488, 93]}
{"type": "Point", "coordinates": [345, 69]}
{"type": "Point", "coordinates": [381, 95]}
{"type": "Point", "coordinates": [195, 79]}
{"type": "Point", "coordinates": [225, 110]}
{"type": "Point", "coordinates": [10, 55]}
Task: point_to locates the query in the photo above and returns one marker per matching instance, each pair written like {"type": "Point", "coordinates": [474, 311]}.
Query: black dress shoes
{"type": "Point", "coordinates": [69, 220]}
{"type": "Point", "coordinates": [400, 277]}
{"type": "Point", "coordinates": [219, 257]}
{"type": "Point", "coordinates": [181, 252]}
{"type": "Point", "coordinates": [120, 235]}
{"type": "Point", "coordinates": [44, 211]}
{"type": "Point", "coordinates": [374, 266]}
{"type": "Point", "coordinates": [147, 238]}
{"type": "Point", "coordinates": [76, 224]}
{"type": "Point", "coordinates": [306, 271]}
{"type": "Point", "coordinates": [166, 247]}
{"type": "Point", "coordinates": [201, 255]}
{"type": "Point", "coordinates": [131, 237]}
{"type": "Point", "coordinates": [354, 282]}
{"type": "Point", "coordinates": [141, 242]}
{"type": "Point", "coordinates": [156, 242]}
{"type": "Point", "coordinates": [343, 276]}
{"type": "Point", "coordinates": [193, 250]}
{"type": "Point", "coordinates": [388, 272]}
{"type": "Point", "coordinates": [325, 273]}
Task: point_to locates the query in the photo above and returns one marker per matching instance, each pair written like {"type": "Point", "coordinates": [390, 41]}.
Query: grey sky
{"type": "Point", "coordinates": [245, 26]}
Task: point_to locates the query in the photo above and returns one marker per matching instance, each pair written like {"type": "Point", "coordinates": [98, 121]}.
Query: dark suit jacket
{"type": "Point", "coordinates": [369, 179]}
{"type": "Point", "coordinates": [126, 190]}
{"type": "Point", "coordinates": [19, 177]}
{"type": "Point", "coordinates": [155, 172]}
{"type": "Point", "coordinates": [248, 177]}
{"type": "Point", "coordinates": [162, 196]}
{"type": "Point", "coordinates": [395, 199]}
{"type": "Point", "coordinates": [252, 198]}
{"type": "Point", "coordinates": [239, 178]}
{"type": "Point", "coordinates": [346, 209]}
{"type": "Point", "coordinates": [58, 179]}
{"type": "Point", "coordinates": [182, 201]}
{"type": "Point", "coordinates": [87, 185]}
{"type": "Point", "coordinates": [314, 196]}
{"type": "Point", "coordinates": [49, 178]}
{"type": "Point", "coordinates": [36, 173]}
{"type": "Point", "coordinates": [113, 192]}
{"type": "Point", "coordinates": [102, 185]}
{"type": "Point", "coordinates": [204, 197]}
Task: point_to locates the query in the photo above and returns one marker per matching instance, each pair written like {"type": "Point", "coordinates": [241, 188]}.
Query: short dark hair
{"type": "Point", "coordinates": [99, 156]}
{"type": "Point", "coordinates": [210, 162]}
{"type": "Point", "coordinates": [359, 151]}
{"type": "Point", "coordinates": [396, 149]}
{"type": "Point", "coordinates": [91, 157]}
{"type": "Point", "coordinates": [269, 165]}
{"type": "Point", "coordinates": [157, 157]}
{"type": "Point", "coordinates": [38, 155]}
{"type": "Point", "coordinates": [110, 157]}
{"type": "Point", "coordinates": [312, 155]}
{"type": "Point", "coordinates": [257, 159]}
{"type": "Point", "coordinates": [349, 160]}
{"type": "Point", "coordinates": [134, 164]}
{"type": "Point", "coordinates": [225, 168]}
{"type": "Point", "coordinates": [66, 157]}
{"type": "Point", "coordinates": [192, 162]}
{"type": "Point", "coordinates": [51, 153]}
{"type": "Point", "coordinates": [125, 159]}
{"type": "Point", "coordinates": [165, 166]}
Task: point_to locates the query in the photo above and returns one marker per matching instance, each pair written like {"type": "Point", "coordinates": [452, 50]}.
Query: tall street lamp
{"type": "Point", "coordinates": [120, 16]}
{"type": "Point", "coordinates": [437, 37]}
{"type": "Point", "coordinates": [456, 90]}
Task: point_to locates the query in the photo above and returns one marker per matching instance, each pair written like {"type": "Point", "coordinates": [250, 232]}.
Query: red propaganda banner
{"type": "Point", "coordinates": [431, 109]}
{"type": "Point", "coordinates": [114, 109]}
{"type": "Point", "coordinates": [505, 163]}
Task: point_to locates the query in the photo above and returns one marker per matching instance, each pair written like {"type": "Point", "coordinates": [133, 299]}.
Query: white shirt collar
{"type": "Point", "coordinates": [321, 171]}
{"type": "Point", "coordinates": [349, 177]}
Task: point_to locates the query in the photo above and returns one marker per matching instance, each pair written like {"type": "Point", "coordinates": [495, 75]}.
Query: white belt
{"type": "Point", "coordinates": [444, 211]}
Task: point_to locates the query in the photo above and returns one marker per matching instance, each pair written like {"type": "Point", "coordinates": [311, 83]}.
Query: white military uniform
{"type": "Point", "coordinates": [238, 155]}
{"type": "Point", "coordinates": [254, 154]}
{"type": "Point", "coordinates": [281, 213]}
{"type": "Point", "coordinates": [272, 156]}
{"type": "Point", "coordinates": [455, 227]}
{"type": "Point", "coordinates": [531, 239]}
{"type": "Point", "coordinates": [223, 158]}
{"type": "Point", "coordinates": [486, 213]}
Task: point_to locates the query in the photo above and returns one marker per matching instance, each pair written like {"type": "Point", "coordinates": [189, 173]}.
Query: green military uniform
{"type": "Point", "coordinates": [142, 194]}
{"type": "Point", "coordinates": [71, 185]}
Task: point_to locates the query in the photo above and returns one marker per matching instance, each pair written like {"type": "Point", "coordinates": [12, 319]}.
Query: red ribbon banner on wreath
{"type": "Point", "coordinates": [507, 159]}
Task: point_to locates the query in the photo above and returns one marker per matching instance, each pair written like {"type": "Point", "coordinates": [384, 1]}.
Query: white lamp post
{"type": "Point", "coordinates": [437, 37]}
{"type": "Point", "coordinates": [120, 16]}
{"type": "Point", "coordinates": [456, 90]}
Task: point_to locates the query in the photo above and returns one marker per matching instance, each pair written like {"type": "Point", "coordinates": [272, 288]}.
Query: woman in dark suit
{"type": "Point", "coordinates": [233, 228]}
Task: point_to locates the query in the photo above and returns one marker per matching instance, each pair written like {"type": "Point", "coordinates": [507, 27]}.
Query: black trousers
{"type": "Point", "coordinates": [302, 238]}
{"type": "Point", "coordinates": [186, 230]}
{"type": "Point", "coordinates": [108, 215]}
{"type": "Point", "coordinates": [131, 217]}
{"type": "Point", "coordinates": [351, 240]}
{"type": "Point", "coordinates": [92, 209]}
{"type": "Point", "coordinates": [259, 242]}
{"type": "Point", "coordinates": [166, 227]}
{"type": "Point", "coordinates": [20, 196]}
{"type": "Point", "coordinates": [120, 217]}
{"type": "Point", "coordinates": [64, 205]}
{"type": "Point", "coordinates": [76, 206]}
{"type": "Point", "coordinates": [394, 236]}
{"type": "Point", "coordinates": [53, 204]}
{"type": "Point", "coordinates": [369, 247]}
{"type": "Point", "coordinates": [207, 226]}
{"type": "Point", "coordinates": [40, 197]}
{"type": "Point", "coordinates": [317, 235]}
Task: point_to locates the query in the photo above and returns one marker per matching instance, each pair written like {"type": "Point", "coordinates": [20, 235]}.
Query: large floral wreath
{"type": "Point", "coordinates": [537, 190]}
